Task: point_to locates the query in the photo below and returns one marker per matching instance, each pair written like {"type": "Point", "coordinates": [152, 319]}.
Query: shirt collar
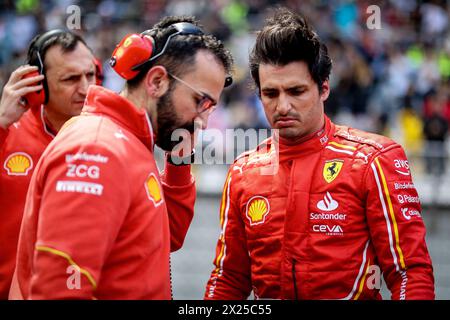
{"type": "Point", "coordinates": [310, 144]}
{"type": "Point", "coordinates": [37, 117]}
{"type": "Point", "coordinates": [102, 101]}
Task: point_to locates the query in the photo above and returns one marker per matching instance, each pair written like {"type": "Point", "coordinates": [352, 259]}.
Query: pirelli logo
{"type": "Point", "coordinates": [79, 187]}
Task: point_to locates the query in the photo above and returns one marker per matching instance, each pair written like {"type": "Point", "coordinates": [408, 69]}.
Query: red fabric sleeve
{"type": "Point", "coordinates": [179, 193]}
{"type": "Point", "coordinates": [231, 277]}
{"type": "Point", "coordinates": [82, 208]}
{"type": "Point", "coordinates": [396, 227]}
{"type": "Point", "coordinates": [3, 135]}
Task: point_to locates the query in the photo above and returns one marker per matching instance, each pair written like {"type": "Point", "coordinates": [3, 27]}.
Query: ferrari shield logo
{"type": "Point", "coordinates": [331, 169]}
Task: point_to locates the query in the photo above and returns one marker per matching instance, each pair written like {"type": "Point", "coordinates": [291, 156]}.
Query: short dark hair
{"type": "Point", "coordinates": [67, 40]}
{"type": "Point", "coordinates": [287, 37]}
{"type": "Point", "coordinates": [179, 55]}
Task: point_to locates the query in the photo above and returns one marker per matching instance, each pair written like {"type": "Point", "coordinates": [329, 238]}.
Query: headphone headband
{"type": "Point", "coordinates": [175, 29]}
{"type": "Point", "coordinates": [137, 51]}
{"type": "Point", "coordinates": [46, 36]}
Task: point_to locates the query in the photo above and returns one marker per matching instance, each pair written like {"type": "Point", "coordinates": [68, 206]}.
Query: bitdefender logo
{"type": "Point", "coordinates": [328, 203]}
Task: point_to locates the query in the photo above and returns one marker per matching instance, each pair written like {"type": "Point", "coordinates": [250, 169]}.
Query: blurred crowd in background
{"type": "Point", "coordinates": [394, 80]}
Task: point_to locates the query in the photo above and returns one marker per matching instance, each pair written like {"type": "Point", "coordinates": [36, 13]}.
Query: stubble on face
{"type": "Point", "coordinates": [168, 121]}
{"type": "Point", "coordinates": [291, 99]}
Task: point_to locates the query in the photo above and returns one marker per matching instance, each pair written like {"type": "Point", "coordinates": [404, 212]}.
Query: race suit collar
{"type": "Point", "coordinates": [37, 118]}
{"type": "Point", "coordinates": [102, 101]}
{"type": "Point", "coordinates": [313, 143]}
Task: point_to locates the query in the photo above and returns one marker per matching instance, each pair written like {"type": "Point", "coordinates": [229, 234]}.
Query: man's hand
{"type": "Point", "coordinates": [11, 105]}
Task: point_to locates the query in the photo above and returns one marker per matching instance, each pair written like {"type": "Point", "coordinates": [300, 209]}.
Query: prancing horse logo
{"type": "Point", "coordinates": [331, 169]}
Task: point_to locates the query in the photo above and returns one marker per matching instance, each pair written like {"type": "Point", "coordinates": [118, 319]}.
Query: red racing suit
{"type": "Point", "coordinates": [96, 221]}
{"type": "Point", "coordinates": [327, 218]}
{"type": "Point", "coordinates": [21, 146]}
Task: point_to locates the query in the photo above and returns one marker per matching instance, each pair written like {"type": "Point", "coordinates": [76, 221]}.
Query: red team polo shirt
{"type": "Point", "coordinates": [21, 146]}
{"type": "Point", "coordinates": [98, 209]}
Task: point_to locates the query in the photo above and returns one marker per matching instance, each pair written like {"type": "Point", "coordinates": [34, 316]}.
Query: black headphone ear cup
{"type": "Point", "coordinates": [133, 50]}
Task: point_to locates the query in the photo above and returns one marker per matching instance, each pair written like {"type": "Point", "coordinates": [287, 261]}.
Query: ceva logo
{"type": "Point", "coordinates": [328, 203]}
{"type": "Point", "coordinates": [331, 231]}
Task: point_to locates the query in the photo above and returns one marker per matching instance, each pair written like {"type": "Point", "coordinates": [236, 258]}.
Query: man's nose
{"type": "Point", "coordinates": [83, 85]}
{"type": "Point", "coordinates": [283, 105]}
{"type": "Point", "coordinates": [201, 121]}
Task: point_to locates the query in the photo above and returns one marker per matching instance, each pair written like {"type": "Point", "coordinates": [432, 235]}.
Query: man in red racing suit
{"type": "Point", "coordinates": [318, 211]}
{"type": "Point", "coordinates": [341, 209]}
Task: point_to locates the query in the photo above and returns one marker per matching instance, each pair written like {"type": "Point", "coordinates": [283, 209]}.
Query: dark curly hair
{"type": "Point", "coordinates": [179, 56]}
{"type": "Point", "coordinates": [287, 37]}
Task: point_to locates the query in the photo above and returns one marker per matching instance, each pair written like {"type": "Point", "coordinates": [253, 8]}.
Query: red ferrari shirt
{"type": "Point", "coordinates": [96, 221]}
{"type": "Point", "coordinates": [21, 147]}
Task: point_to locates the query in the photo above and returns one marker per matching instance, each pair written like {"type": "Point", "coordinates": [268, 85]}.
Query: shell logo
{"type": "Point", "coordinates": [257, 209]}
{"type": "Point", "coordinates": [153, 189]}
{"type": "Point", "coordinates": [18, 164]}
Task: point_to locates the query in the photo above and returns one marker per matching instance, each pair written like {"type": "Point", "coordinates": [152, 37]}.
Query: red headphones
{"type": "Point", "coordinates": [131, 51]}
{"type": "Point", "coordinates": [37, 98]}
{"type": "Point", "coordinates": [98, 71]}
{"type": "Point", "coordinates": [137, 50]}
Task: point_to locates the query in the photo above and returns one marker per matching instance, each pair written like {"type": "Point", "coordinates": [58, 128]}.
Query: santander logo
{"type": "Point", "coordinates": [328, 203]}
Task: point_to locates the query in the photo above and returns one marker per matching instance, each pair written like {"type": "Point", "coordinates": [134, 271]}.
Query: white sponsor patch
{"type": "Point", "coordinates": [402, 167]}
{"type": "Point", "coordinates": [407, 199]}
{"type": "Point", "coordinates": [363, 156]}
{"type": "Point", "coordinates": [351, 137]}
{"type": "Point", "coordinates": [403, 285]}
{"type": "Point", "coordinates": [403, 185]}
{"type": "Point", "coordinates": [86, 157]}
{"type": "Point", "coordinates": [79, 187]}
{"type": "Point", "coordinates": [334, 230]}
{"type": "Point", "coordinates": [82, 171]}
{"type": "Point", "coordinates": [328, 203]}
{"type": "Point", "coordinates": [409, 213]}
{"type": "Point", "coordinates": [327, 216]}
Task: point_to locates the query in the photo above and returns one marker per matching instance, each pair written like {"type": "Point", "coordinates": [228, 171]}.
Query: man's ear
{"type": "Point", "coordinates": [156, 81]}
{"type": "Point", "coordinates": [325, 90]}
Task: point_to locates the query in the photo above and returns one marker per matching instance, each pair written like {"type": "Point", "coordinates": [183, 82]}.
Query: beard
{"type": "Point", "coordinates": [168, 121]}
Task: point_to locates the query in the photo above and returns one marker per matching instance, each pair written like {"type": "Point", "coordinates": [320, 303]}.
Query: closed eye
{"type": "Point", "coordinates": [270, 93]}
{"type": "Point", "coordinates": [71, 78]}
{"type": "Point", "coordinates": [295, 91]}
